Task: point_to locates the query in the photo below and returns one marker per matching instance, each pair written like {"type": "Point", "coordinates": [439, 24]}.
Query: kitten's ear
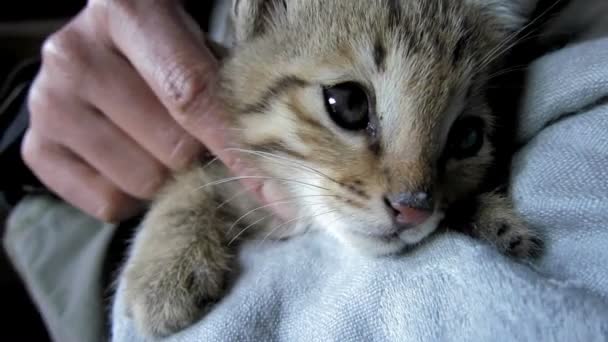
{"type": "Point", "coordinates": [512, 14]}
{"type": "Point", "coordinates": [252, 17]}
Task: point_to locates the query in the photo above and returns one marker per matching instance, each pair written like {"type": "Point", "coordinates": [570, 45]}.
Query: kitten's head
{"type": "Point", "coordinates": [372, 113]}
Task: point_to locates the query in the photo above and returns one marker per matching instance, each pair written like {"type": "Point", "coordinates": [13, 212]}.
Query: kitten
{"type": "Point", "coordinates": [371, 116]}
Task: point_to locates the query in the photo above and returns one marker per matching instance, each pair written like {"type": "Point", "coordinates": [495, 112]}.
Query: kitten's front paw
{"type": "Point", "coordinates": [497, 223]}
{"type": "Point", "coordinates": [515, 239]}
{"type": "Point", "coordinates": [166, 297]}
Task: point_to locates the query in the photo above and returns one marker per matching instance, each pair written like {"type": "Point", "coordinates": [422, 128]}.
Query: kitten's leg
{"type": "Point", "coordinates": [179, 259]}
{"type": "Point", "coordinates": [496, 221]}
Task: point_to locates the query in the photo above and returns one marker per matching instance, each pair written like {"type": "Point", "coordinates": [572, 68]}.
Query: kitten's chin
{"type": "Point", "coordinates": [414, 235]}
{"type": "Point", "coordinates": [373, 246]}
{"type": "Point", "coordinates": [380, 246]}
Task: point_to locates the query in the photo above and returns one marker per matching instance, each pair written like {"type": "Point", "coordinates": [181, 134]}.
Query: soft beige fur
{"type": "Point", "coordinates": [425, 64]}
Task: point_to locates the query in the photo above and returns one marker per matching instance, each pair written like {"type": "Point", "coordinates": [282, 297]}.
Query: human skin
{"type": "Point", "coordinates": [124, 97]}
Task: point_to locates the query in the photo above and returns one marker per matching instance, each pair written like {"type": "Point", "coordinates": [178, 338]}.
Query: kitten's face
{"type": "Point", "coordinates": [371, 113]}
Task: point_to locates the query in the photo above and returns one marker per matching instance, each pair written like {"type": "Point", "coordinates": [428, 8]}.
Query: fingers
{"type": "Point", "coordinates": [75, 181]}
{"type": "Point", "coordinates": [103, 123]}
{"type": "Point", "coordinates": [181, 72]}
{"type": "Point", "coordinates": [96, 141]}
{"type": "Point", "coordinates": [130, 104]}
{"type": "Point", "coordinates": [126, 92]}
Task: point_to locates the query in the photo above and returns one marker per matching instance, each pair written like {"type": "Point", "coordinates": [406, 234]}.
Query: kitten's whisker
{"type": "Point", "coordinates": [256, 222]}
{"type": "Point", "coordinates": [271, 204]}
{"type": "Point", "coordinates": [496, 51]}
{"type": "Point", "coordinates": [208, 164]}
{"type": "Point", "coordinates": [272, 156]}
{"type": "Point", "coordinates": [527, 36]}
{"type": "Point", "coordinates": [506, 71]}
{"type": "Point", "coordinates": [293, 220]}
{"type": "Point", "coordinates": [285, 201]}
{"type": "Point", "coordinates": [238, 194]}
{"type": "Point", "coordinates": [246, 228]}
{"type": "Point", "coordinates": [237, 178]}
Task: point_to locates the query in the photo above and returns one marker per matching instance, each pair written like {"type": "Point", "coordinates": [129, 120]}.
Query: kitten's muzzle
{"type": "Point", "coordinates": [410, 209]}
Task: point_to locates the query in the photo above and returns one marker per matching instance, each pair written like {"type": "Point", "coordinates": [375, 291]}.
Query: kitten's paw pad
{"type": "Point", "coordinates": [497, 223]}
{"type": "Point", "coordinates": [524, 246]}
{"type": "Point", "coordinates": [514, 238]}
{"type": "Point", "coordinates": [162, 303]}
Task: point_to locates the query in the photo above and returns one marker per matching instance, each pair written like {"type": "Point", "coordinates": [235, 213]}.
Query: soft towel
{"type": "Point", "coordinates": [454, 288]}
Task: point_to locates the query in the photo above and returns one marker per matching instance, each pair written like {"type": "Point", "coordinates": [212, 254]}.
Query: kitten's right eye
{"type": "Point", "coordinates": [466, 137]}
{"type": "Point", "coordinates": [347, 105]}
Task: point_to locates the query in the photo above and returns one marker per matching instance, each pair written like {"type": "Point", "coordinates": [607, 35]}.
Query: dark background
{"type": "Point", "coordinates": [24, 24]}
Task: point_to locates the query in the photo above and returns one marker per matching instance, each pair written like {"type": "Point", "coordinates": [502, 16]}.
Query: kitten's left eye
{"type": "Point", "coordinates": [347, 105]}
{"type": "Point", "coordinates": [466, 137]}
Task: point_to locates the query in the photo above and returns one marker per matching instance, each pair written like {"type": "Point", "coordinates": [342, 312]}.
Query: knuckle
{"type": "Point", "coordinates": [42, 108]}
{"type": "Point", "coordinates": [64, 49]}
{"type": "Point", "coordinates": [36, 101]}
{"type": "Point", "coordinates": [30, 150]}
{"type": "Point", "coordinates": [187, 89]}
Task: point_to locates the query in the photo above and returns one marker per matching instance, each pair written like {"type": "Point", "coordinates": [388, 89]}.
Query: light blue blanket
{"type": "Point", "coordinates": [454, 288]}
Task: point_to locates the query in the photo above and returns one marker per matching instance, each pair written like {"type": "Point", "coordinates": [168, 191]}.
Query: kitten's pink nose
{"type": "Point", "coordinates": [410, 208]}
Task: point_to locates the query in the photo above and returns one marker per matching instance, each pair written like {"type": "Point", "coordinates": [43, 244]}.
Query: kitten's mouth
{"type": "Point", "coordinates": [379, 243]}
{"type": "Point", "coordinates": [379, 236]}
{"type": "Point", "coordinates": [404, 231]}
{"type": "Point", "coordinates": [416, 234]}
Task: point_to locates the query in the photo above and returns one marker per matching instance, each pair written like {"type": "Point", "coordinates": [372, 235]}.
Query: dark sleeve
{"type": "Point", "coordinates": [16, 179]}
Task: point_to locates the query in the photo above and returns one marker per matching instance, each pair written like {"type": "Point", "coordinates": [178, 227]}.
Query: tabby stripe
{"type": "Point", "coordinates": [273, 92]}
{"type": "Point", "coordinates": [379, 55]}
{"type": "Point", "coordinates": [305, 118]}
{"type": "Point", "coordinates": [395, 15]}
{"type": "Point", "coordinates": [277, 146]}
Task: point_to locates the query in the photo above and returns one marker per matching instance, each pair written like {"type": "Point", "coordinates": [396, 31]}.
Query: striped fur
{"type": "Point", "coordinates": [424, 64]}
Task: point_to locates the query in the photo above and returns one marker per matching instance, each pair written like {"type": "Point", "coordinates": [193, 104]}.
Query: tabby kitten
{"type": "Point", "coordinates": [370, 115]}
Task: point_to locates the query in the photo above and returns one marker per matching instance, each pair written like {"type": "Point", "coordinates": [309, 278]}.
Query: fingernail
{"type": "Point", "coordinates": [110, 214]}
{"type": "Point", "coordinates": [152, 186]}
{"type": "Point", "coordinates": [185, 152]}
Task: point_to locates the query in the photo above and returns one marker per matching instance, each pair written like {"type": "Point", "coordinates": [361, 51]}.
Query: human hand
{"type": "Point", "coordinates": [125, 95]}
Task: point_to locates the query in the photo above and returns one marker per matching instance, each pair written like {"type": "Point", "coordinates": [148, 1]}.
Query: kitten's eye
{"type": "Point", "coordinates": [347, 105]}
{"type": "Point", "coordinates": [466, 137]}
